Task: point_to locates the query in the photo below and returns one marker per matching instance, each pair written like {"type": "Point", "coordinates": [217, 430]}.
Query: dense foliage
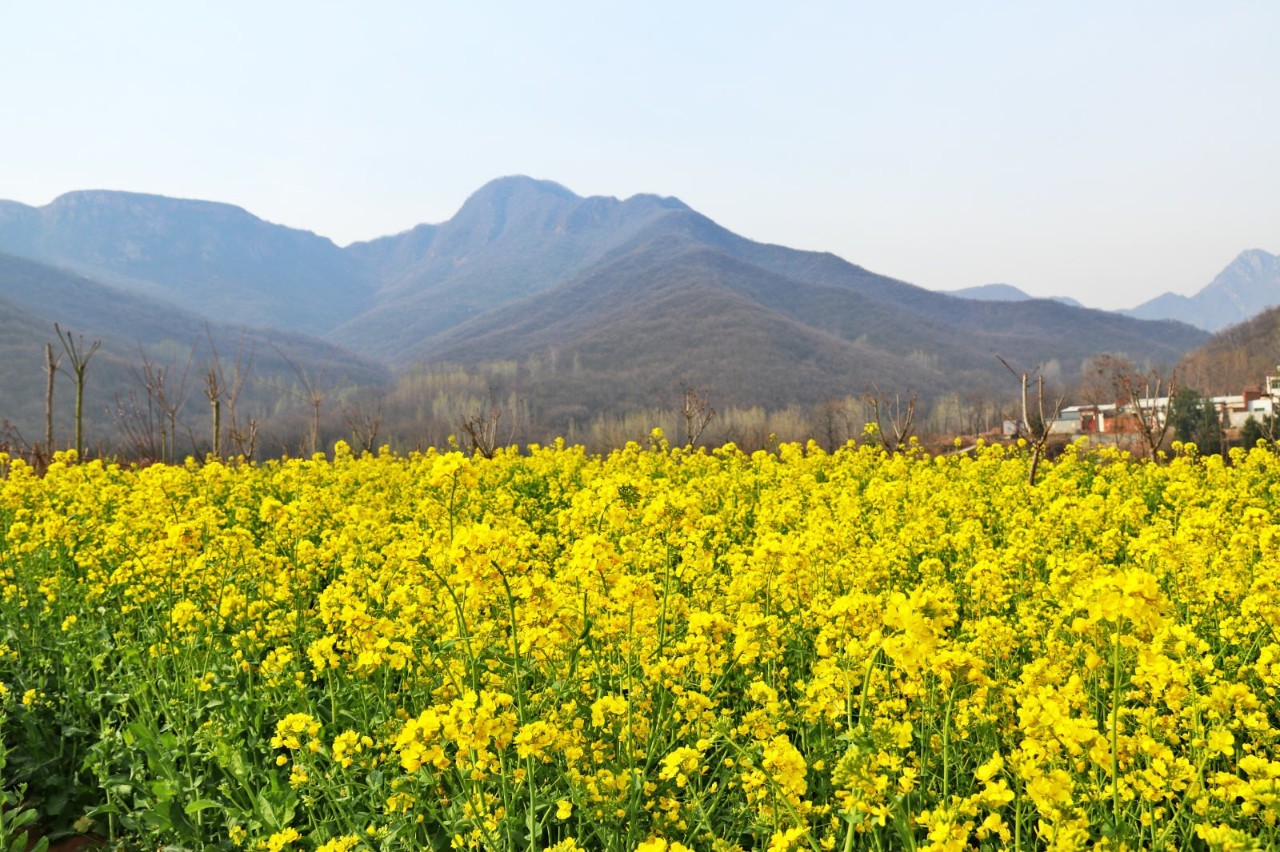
{"type": "Point", "coordinates": [657, 649]}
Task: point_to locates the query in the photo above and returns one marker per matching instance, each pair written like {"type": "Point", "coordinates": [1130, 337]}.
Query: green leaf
{"type": "Point", "coordinates": [267, 813]}
{"type": "Point", "coordinates": [200, 805]}
{"type": "Point", "coordinates": [157, 819]}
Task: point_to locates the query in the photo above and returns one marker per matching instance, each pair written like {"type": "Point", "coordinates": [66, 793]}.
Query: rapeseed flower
{"type": "Point", "coordinates": [720, 649]}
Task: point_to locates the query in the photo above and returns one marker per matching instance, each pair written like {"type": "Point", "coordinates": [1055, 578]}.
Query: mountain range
{"type": "Point", "coordinates": [1247, 286]}
{"type": "Point", "coordinates": [592, 304]}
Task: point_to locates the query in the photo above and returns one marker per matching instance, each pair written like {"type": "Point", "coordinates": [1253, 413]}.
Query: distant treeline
{"type": "Point", "coordinates": [176, 402]}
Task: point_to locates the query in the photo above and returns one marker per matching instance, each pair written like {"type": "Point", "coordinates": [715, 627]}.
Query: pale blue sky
{"type": "Point", "coordinates": [1104, 150]}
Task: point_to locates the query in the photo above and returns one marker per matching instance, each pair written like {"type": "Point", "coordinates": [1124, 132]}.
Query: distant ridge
{"type": "Point", "coordinates": [211, 258]}
{"type": "Point", "coordinates": [1004, 293]}
{"type": "Point", "coordinates": [1248, 285]}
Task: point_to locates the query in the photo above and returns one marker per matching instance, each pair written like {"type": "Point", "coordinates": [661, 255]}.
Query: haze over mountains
{"type": "Point", "coordinates": [593, 303]}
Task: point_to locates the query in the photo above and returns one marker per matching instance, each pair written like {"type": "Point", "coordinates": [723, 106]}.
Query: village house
{"type": "Point", "coordinates": [1121, 418]}
{"type": "Point", "coordinates": [1107, 419]}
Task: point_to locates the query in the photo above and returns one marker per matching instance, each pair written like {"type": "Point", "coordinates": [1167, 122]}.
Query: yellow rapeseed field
{"type": "Point", "coordinates": [659, 649]}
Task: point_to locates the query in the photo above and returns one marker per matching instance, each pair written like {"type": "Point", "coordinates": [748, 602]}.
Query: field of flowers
{"type": "Point", "coordinates": [657, 649]}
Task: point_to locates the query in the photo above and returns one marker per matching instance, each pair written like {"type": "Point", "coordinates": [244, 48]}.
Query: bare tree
{"type": "Point", "coordinates": [832, 422]}
{"type": "Point", "coordinates": [15, 445]}
{"type": "Point", "coordinates": [981, 404]}
{"type": "Point", "coordinates": [481, 427]}
{"type": "Point", "coordinates": [1102, 376]}
{"type": "Point", "coordinates": [1039, 432]}
{"type": "Point", "coordinates": [696, 411]}
{"type": "Point", "coordinates": [312, 394]}
{"type": "Point", "coordinates": [221, 387]}
{"type": "Point", "coordinates": [79, 357]}
{"type": "Point", "coordinates": [149, 424]}
{"type": "Point", "coordinates": [166, 396]}
{"type": "Point", "coordinates": [1103, 381]}
{"type": "Point", "coordinates": [894, 418]}
{"type": "Point", "coordinates": [1144, 394]}
{"type": "Point", "coordinates": [364, 419]}
{"type": "Point", "coordinates": [137, 421]}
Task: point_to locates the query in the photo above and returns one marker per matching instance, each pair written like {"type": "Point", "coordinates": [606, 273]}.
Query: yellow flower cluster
{"type": "Point", "coordinates": [656, 649]}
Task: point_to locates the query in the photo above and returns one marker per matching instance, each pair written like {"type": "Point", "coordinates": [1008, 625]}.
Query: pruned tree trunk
{"type": "Point", "coordinates": [213, 390]}
{"type": "Point", "coordinates": [51, 367]}
{"type": "Point", "coordinates": [79, 357]}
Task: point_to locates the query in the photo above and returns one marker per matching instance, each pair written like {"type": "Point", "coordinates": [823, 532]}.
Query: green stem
{"type": "Point", "coordinates": [463, 630]}
{"type": "Point", "coordinates": [518, 663]}
{"type": "Point", "coordinates": [1017, 821]}
{"type": "Point", "coordinates": [1115, 729]}
{"type": "Point", "coordinates": [946, 746]}
{"type": "Point", "coordinates": [666, 596]}
{"type": "Point", "coordinates": [866, 685]}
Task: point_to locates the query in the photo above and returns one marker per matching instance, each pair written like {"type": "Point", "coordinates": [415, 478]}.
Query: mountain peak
{"type": "Point", "coordinates": [525, 189]}
{"type": "Point", "coordinates": [1255, 260]}
{"type": "Point", "coordinates": [1246, 286]}
{"type": "Point", "coordinates": [512, 185]}
{"type": "Point", "coordinates": [669, 202]}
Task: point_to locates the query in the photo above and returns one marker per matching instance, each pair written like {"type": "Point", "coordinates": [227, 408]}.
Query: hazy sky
{"type": "Point", "coordinates": [1104, 150]}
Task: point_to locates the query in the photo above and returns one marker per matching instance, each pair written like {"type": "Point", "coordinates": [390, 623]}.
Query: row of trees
{"type": "Point", "coordinates": [148, 421]}
{"type": "Point", "coordinates": [483, 408]}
